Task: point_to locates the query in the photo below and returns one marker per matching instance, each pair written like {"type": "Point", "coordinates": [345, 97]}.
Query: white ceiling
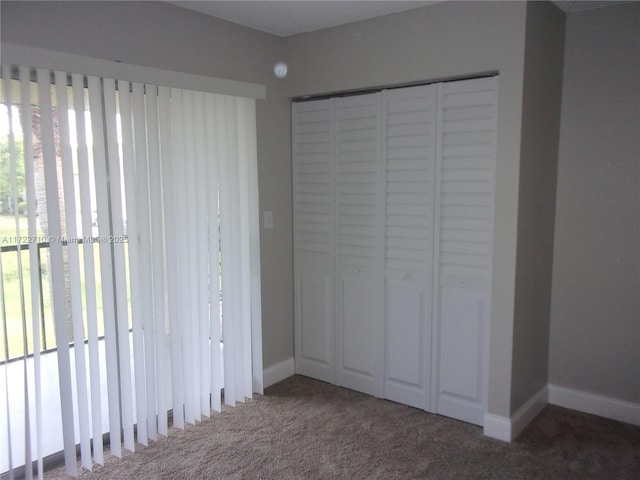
{"type": "Point", "coordinates": [289, 17]}
{"type": "Point", "coordinates": [571, 6]}
{"type": "Point", "coordinates": [284, 18]}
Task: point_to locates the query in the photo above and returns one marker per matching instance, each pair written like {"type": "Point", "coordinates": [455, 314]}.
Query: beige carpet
{"type": "Point", "coordinates": [305, 429]}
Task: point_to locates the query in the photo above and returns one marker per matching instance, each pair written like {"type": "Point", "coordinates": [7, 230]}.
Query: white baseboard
{"type": "Point", "coordinates": [507, 429]}
{"type": "Point", "coordinates": [527, 412]}
{"type": "Point", "coordinates": [497, 427]}
{"type": "Point", "coordinates": [279, 371]}
{"type": "Point", "coordinates": [594, 404]}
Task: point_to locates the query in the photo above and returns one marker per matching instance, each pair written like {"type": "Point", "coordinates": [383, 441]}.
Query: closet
{"type": "Point", "coordinates": [393, 224]}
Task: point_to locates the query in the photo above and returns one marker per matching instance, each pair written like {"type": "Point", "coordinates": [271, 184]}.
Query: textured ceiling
{"type": "Point", "coordinates": [284, 18]}
{"type": "Point", "coordinates": [571, 6]}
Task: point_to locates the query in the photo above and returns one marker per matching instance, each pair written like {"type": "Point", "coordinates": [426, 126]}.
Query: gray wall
{"type": "Point", "coordinates": [439, 42]}
{"type": "Point", "coordinates": [165, 36]}
{"type": "Point", "coordinates": [595, 306]}
{"type": "Point", "coordinates": [595, 314]}
{"type": "Point", "coordinates": [536, 203]}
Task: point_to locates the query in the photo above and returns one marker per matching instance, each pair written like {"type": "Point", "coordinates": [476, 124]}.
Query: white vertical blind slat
{"type": "Point", "coordinates": [62, 100]}
{"type": "Point", "coordinates": [214, 253]}
{"type": "Point", "coordinates": [171, 123]}
{"type": "Point", "coordinates": [6, 84]}
{"type": "Point", "coordinates": [129, 171]}
{"type": "Point", "coordinates": [235, 226]}
{"type": "Point", "coordinates": [255, 342]}
{"type": "Point", "coordinates": [192, 99]}
{"type": "Point", "coordinates": [57, 270]}
{"type": "Point", "coordinates": [237, 273]}
{"type": "Point", "coordinates": [25, 109]}
{"type": "Point", "coordinates": [144, 235]}
{"type": "Point", "coordinates": [5, 350]}
{"type": "Point", "coordinates": [227, 187]}
{"type": "Point", "coordinates": [84, 183]}
{"type": "Point", "coordinates": [244, 342]}
{"type": "Point", "coordinates": [157, 247]}
{"type": "Point", "coordinates": [202, 266]}
{"type": "Point", "coordinates": [190, 296]}
{"type": "Point", "coordinates": [14, 201]}
{"type": "Point", "coordinates": [236, 257]}
{"type": "Point", "coordinates": [106, 264]}
{"type": "Point", "coordinates": [116, 243]}
{"type": "Point", "coordinates": [182, 224]}
{"type": "Point", "coordinates": [180, 371]}
{"type": "Point", "coordinates": [171, 271]}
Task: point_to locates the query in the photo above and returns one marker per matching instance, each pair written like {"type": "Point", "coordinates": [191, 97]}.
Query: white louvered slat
{"type": "Point", "coordinates": [313, 182]}
{"type": "Point", "coordinates": [357, 158]}
{"type": "Point", "coordinates": [410, 141]}
{"type": "Point", "coordinates": [467, 177]}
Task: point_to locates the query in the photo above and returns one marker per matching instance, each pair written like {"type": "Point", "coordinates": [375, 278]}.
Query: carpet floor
{"type": "Point", "coordinates": [306, 429]}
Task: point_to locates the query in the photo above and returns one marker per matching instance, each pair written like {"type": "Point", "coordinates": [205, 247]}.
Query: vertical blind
{"type": "Point", "coordinates": [133, 232]}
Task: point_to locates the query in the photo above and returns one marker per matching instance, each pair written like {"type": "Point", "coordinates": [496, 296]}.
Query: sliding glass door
{"type": "Point", "coordinates": [129, 237]}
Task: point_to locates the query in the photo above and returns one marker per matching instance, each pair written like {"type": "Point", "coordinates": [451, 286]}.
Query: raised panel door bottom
{"type": "Point", "coordinates": [314, 352]}
{"type": "Point", "coordinates": [360, 355]}
{"type": "Point", "coordinates": [461, 356]}
{"type": "Point", "coordinates": [407, 350]}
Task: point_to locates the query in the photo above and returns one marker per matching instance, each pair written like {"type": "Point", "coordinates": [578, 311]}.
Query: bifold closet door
{"type": "Point", "coordinates": [410, 150]}
{"type": "Point", "coordinates": [313, 212]}
{"type": "Point", "coordinates": [359, 227]}
{"type": "Point", "coordinates": [464, 229]}
{"type": "Point", "coordinates": [393, 241]}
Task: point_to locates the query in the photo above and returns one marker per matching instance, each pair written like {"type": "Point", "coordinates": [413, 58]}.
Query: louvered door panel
{"type": "Point", "coordinates": [358, 243]}
{"type": "Point", "coordinates": [313, 222]}
{"type": "Point", "coordinates": [465, 206]}
{"type": "Point", "coordinates": [410, 149]}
